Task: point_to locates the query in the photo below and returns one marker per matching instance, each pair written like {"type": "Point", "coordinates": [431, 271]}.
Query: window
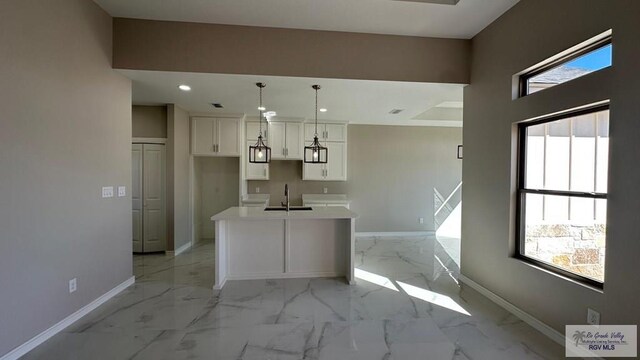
{"type": "Point", "coordinates": [562, 193]}
{"type": "Point", "coordinates": [592, 57]}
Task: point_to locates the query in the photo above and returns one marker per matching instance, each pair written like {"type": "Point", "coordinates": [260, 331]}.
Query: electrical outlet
{"type": "Point", "coordinates": [421, 220]}
{"type": "Point", "coordinates": [325, 190]}
{"type": "Point", "coordinates": [257, 190]}
{"type": "Point", "coordinates": [593, 317]}
{"type": "Point", "coordinates": [122, 191]}
{"type": "Point", "coordinates": [73, 285]}
{"type": "Point", "coordinates": [107, 192]}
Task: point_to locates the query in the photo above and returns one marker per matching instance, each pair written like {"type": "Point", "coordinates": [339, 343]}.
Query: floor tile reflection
{"type": "Point", "coordinates": [406, 305]}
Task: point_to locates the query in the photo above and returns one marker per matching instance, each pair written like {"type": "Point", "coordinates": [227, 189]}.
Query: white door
{"type": "Point", "coordinates": [277, 139]}
{"type": "Point", "coordinates": [295, 144]}
{"type": "Point", "coordinates": [313, 171]}
{"type": "Point", "coordinates": [136, 195]}
{"type": "Point", "coordinates": [336, 160]}
{"type": "Point", "coordinates": [153, 195]}
{"type": "Point", "coordinates": [310, 130]}
{"type": "Point", "coordinates": [336, 132]}
{"type": "Point", "coordinates": [203, 130]}
{"type": "Point", "coordinates": [256, 171]}
{"type": "Point", "coordinates": [227, 135]}
{"type": "Point", "coordinates": [253, 130]}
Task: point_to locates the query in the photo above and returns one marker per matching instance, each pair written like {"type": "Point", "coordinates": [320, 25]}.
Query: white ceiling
{"type": "Point", "coordinates": [415, 18]}
{"type": "Point", "coordinates": [354, 101]}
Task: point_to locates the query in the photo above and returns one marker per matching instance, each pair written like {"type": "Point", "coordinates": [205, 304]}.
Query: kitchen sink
{"type": "Point", "coordinates": [292, 208]}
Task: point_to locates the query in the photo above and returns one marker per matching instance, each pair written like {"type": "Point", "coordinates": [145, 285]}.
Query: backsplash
{"type": "Point", "coordinates": [283, 172]}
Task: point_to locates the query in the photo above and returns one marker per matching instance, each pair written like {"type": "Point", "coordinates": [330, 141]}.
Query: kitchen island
{"type": "Point", "coordinates": [252, 243]}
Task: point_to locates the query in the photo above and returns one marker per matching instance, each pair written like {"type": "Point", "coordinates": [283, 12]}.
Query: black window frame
{"type": "Point", "coordinates": [522, 190]}
{"type": "Point", "coordinates": [524, 78]}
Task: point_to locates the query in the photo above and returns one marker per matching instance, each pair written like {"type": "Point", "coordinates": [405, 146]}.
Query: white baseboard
{"type": "Point", "coordinates": [396, 233]}
{"type": "Point", "coordinates": [521, 314]}
{"type": "Point", "coordinates": [62, 324]}
{"type": "Point", "coordinates": [182, 249]}
{"type": "Point", "coordinates": [219, 286]}
{"type": "Point", "coordinates": [314, 274]}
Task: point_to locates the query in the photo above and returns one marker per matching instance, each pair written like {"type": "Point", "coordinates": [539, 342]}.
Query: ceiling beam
{"type": "Point", "coordinates": [230, 49]}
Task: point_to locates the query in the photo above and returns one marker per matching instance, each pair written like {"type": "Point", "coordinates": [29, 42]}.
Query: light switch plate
{"type": "Point", "coordinates": [593, 317]}
{"type": "Point", "coordinates": [73, 285]}
{"type": "Point", "coordinates": [122, 191]}
{"type": "Point", "coordinates": [325, 190]}
{"type": "Point", "coordinates": [257, 190]}
{"type": "Point", "coordinates": [107, 191]}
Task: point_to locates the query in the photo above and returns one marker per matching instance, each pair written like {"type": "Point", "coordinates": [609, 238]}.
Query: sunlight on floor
{"type": "Point", "coordinates": [375, 279]}
{"type": "Point", "coordinates": [414, 291]}
{"type": "Point", "coordinates": [432, 297]}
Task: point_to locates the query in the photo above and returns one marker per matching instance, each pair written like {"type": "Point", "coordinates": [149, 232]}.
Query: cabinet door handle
{"type": "Point", "coordinates": [286, 151]}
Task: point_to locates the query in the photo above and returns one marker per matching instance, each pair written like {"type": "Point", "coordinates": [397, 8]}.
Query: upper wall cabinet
{"type": "Point", "coordinates": [286, 140]}
{"type": "Point", "coordinates": [215, 136]}
{"type": "Point", "coordinates": [334, 137]}
{"type": "Point", "coordinates": [255, 171]}
{"type": "Point", "coordinates": [326, 132]}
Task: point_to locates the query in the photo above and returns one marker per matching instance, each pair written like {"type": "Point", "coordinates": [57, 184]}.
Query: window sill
{"type": "Point", "coordinates": [532, 264]}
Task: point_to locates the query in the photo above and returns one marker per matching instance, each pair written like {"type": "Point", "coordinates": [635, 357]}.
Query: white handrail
{"type": "Point", "coordinates": [448, 198]}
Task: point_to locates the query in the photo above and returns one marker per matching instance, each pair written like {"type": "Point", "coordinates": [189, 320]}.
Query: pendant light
{"type": "Point", "coordinates": [260, 153]}
{"type": "Point", "coordinates": [315, 153]}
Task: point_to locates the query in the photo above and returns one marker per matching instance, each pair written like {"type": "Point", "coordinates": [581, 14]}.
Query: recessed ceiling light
{"type": "Point", "coordinates": [262, 108]}
{"type": "Point", "coordinates": [323, 110]}
{"type": "Point", "coordinates": [184, 87]}
{"type": "Point", "coordinates": [270, 113]}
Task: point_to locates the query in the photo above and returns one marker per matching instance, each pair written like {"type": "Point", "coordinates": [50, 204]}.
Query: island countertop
{"type": "Point", "coordinates": [258, 213]}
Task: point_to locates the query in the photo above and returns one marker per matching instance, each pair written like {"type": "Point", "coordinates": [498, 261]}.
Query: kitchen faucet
{"type": "Point", "coordinates": [286, 193]}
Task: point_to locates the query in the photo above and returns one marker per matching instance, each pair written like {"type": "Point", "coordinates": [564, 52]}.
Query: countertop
{"type": "Point", "coordinates": [258, 213]}
{"type": "Point", "coordinates": [325, 198]}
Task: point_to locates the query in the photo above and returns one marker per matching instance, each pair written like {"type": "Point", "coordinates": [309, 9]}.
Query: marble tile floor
{"type": "Point", "coordinates": [407, 304]}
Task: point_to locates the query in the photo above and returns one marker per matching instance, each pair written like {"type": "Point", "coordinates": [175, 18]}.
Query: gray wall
{"type": "Point", "coordinates": [149, 121]}
{"type": "Point", "coordinates": [290, 172]}
{"type": "Point", "coordinates": [217, 180]}
{"type": "Point", "coordinates": [178, 177]}
{"type": "Point", "coordinates": [392, 171]}
{"type": "Point", "coordinates": [530, 32]}
{"type": "Point", "coordinates": [65, 131]}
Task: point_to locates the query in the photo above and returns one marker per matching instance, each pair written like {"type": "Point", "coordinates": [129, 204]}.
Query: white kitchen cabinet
{"type": "Point", "coordinates": [286, 140]}
{"type": "Point", "coordinates": [215, 136]}
{"type": "Point", "coordinates": [336, 166]}
{"type": "Point", "coordinates": [334, 170]}
{"type": "Point", "coordinates": [326, 132]}
{"type": "Point", "coordinates": [254, 171]}
{"type": "Point", "coordinates": [324, 200]}
{"type": "Point", "coordinates": [253, 130]}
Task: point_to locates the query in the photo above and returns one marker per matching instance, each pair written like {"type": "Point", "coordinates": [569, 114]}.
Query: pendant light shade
{"type": "Point", "coordinates": [260, 153]}
{"type": "Point", "coordinates": [315, 153]}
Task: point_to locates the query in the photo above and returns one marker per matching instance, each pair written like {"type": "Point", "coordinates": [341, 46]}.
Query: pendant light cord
{"type": "Point", "coordinates": [316, 88]}
{"type": "Point", "coordinates": [260, 111]}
